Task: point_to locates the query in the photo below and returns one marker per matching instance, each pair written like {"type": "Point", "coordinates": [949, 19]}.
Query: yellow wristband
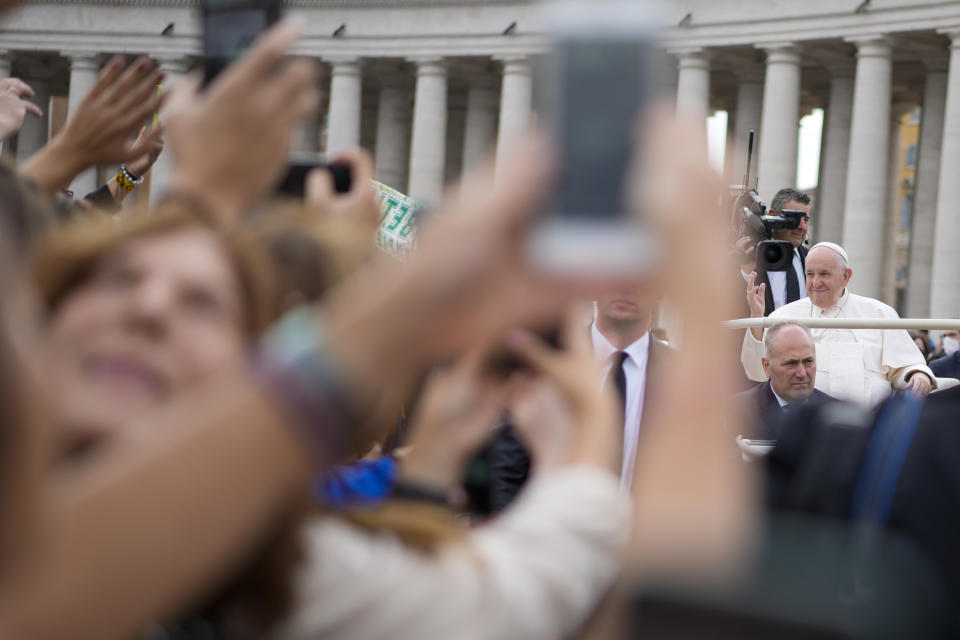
{"type": "Point", "coordinates": [123, 183]}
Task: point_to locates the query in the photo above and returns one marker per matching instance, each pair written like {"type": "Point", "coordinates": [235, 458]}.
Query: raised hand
{"type": "Point", "coordinates": [101, 127]}
{"type": "Point", "coordinates": [756, 299]}
{"type": "Point", "coordinates": [561, 412]}
{"type": "Point", "coordinates": [747, 252]}
{"type": "Point", "coordinates": [358, 205]}
{"type": "Point", "coordinates": [141, 165]}
{"type": "Point", "coordinates": [14, 106]}
{"type": "Point", "coordinates": [457, 412]}
{"type": "Point", "coordinates": [230, 141]}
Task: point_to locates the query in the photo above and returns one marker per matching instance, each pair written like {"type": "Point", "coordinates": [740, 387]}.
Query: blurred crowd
{"type": "Point", "coordinates": [231, 415]}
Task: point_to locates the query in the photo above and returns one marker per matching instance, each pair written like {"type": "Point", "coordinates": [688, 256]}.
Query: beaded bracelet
{"type": "Point", "coordinates": [294, 364]}
{"type": "Point", "coordinates": [134, 180]}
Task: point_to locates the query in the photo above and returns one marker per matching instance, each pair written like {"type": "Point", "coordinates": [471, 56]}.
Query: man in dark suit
{"type": "Point", "coordinates": [622, 341]}
{"type": "Point", "coordinates": [790, 362]}
{"type": "Point", "coordinates": [785, 286]}
{"type": "Point", "coordinates": [947, 366]}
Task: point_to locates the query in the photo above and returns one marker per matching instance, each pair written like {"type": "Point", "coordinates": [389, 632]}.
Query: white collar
{"type": "Point", "coordinates": [780, 400]}
{"type": "Point", "coordinates": [836, 307]}
{"type": "Point", "coordinates": [603, 349]}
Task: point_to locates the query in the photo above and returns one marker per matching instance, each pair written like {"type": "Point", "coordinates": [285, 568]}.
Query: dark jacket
{"type": "Point", "coordinates": [509, 460]}
{"type": "Point", "coordinates": [764, 412]}
{"type": "Point", "coordinates": [816, 464]}
{"type": "Point", "coordinates": [947, 366]}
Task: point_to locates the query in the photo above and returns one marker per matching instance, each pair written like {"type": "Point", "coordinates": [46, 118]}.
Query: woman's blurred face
{"type": "Point", "coordinates": [157, 315]}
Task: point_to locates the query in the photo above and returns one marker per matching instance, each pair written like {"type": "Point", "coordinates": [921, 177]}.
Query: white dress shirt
{"type": "Point", "coordinates": [780, 400]}
{"type": "Point", "coordinates": [859, 365]}
{"type": "Point", "coordinates": [635, 368]}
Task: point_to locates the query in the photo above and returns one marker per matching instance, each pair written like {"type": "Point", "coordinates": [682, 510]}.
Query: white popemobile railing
{"type": "Point", "coordinates": [938, 324]}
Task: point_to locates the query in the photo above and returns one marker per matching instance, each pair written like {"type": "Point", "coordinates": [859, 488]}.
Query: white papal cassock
{"type": "Point", "coordinates": [860, 365]}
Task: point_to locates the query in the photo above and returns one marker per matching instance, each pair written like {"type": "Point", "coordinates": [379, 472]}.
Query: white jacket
{"type": "Point", "coordinates": [535, 572]}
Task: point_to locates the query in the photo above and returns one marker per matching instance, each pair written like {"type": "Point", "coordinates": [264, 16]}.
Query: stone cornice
{"type": "Point", "coordinates": [320, 4]}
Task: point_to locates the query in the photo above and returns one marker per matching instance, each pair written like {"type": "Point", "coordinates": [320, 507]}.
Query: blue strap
{"type": "Point", "coordinates": [883, 462]}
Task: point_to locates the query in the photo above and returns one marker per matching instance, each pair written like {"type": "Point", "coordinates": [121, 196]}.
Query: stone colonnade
{"type": "Point", "coordinates": [864, 84]}
{"type": "Point", "coordinates": [428, 118]}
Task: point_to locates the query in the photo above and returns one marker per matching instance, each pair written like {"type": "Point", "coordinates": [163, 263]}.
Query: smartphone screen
{"type": "Point", "coordinates": [595, 84]}
{"type": "Point", "coordinates": [231, 26]}
{"type": "Point", "coordinates": [601, 90]}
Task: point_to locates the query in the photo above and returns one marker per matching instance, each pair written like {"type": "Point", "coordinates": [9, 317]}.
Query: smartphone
{"type": "Point", "coordinates": [230, 26]}
{"type": "Point", "coordinates": [596, 83]}
{"type": "Point", "coordinates": [293, 183]}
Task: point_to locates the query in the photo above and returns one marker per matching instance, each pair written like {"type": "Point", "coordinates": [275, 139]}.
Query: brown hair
{"type": "Point", "coordinates": [67, 257]}
{"type": "Point", "coordinates": [310, 254]}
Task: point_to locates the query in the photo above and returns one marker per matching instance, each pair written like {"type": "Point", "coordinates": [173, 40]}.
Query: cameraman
{"type": "Point", "coordinates": [782, 286]}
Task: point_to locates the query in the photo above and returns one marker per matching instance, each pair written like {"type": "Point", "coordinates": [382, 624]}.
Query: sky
{"type": "Point", "coordinates": [808, 153]}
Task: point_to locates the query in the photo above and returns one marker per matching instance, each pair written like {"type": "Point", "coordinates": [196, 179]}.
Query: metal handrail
{"type": "Point", "coordinates": [849, 323]}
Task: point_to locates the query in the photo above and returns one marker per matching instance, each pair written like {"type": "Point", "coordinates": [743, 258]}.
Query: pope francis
{"type": "Point", "coordinates": [860, 365]}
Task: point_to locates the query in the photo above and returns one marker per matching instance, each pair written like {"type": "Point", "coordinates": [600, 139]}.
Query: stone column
{"type": "Point", "coordinates": [693, 83]}
{"type": "Point", "coordinates": [393, 137]}
{"type": "Point", "coordinates": [6, 63]}
{"type": "Point", "coordinates": [35, 131]}
{"type": "Point", "coordinates": [456, 129]}
{"type": "Point", "coordinates": [84, 69]}
{"type": "Point", "coordinates": [925, 195]}
{"type": "Point", "coordinates": [866, 196]}
{"type": "Point", "coordinates": [6, 66]}
{"type": "Point", "coordinates": [516, 102]}
{"type": "Point", "coordinates": [779, 121]}
{"type": "Point", "coordinates": [428, 147]}
{"type": "Point", "coordinates": [343, 129]}
{"type": "Point", "coordinates": [749, 106]}
{"type": "Point", "coordinates": [945, 271]}
{"type": "Point", "coordinates": [828, 209]}
{"type": "Point", "coordinates": [162, 172]}
{"type": "Point", "coordinates": [729, 151]}
{"type": "Point", "coordinates": [481, 125]}
{"type": "Point", "coordinates": [892, 219]}
{"type": "Point", "coordinates": [368, 123]}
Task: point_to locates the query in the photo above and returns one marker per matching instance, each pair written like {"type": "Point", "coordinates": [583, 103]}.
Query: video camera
{"type": "Point", "coordinates": [750, 218]}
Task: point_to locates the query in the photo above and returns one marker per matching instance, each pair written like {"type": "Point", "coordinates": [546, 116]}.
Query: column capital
{"type": "Point", "coordinates": [344, 65]}
{"type": "Point", "coordinates": [692, 57]}
{"type": "Point", "coordinates": [953, 33]}
{"type": "Point", "coordinates": [514, 64]}
{"type": "Point", "coordinates": [780, 52]}
{"type": "Point", "coordinates": [429, 65]}
{"type": "Point", "coordinates": [83, 60]}
{"type": "Point", "coordinates": [872, 46]}
{"type": "Point", "coordinates": [176, 64]}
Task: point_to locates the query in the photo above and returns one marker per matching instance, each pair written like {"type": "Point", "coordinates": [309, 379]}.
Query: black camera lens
{"type": "Point", "coordinates": [772, 254]}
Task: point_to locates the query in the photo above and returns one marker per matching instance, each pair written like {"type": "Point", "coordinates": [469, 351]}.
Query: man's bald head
{"type": "Point", "coordinates": [827, 274]}
{"type": "Point", "coordinates": [790, 361]}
